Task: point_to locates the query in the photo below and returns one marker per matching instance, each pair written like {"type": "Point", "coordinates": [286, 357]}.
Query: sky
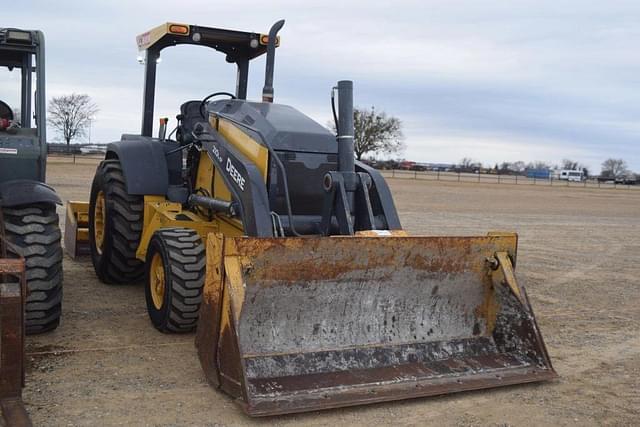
{"type": "Point", "coordinates": [491, 80]}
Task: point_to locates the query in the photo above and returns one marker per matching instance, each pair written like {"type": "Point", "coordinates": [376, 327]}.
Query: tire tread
{"type": "Point", "coordinates": [186, 254]}
{"type": "Point", "coordinates": [35, 232]}
{"type": "Point", "coordinates": [126, 216]}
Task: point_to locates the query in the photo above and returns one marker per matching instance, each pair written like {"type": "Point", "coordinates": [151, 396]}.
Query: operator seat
{"type": "Point", "coordinates": [187, 119]}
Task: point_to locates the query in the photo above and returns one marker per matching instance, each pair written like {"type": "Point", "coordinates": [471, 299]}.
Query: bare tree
{"type": "Point", "coordinates": [570, 165]}
{"type": "Point", "coordinates": [71, 115]}
{"type": "Point", "coordinates": [614, 168]}
{"type": "Point", "coordinates": [539, 165]}
{"type": "Point", "coordinates": [575, 166]}
{"type": "Point", "coordinates": [17, 116]}
{"type": "Point", "coordinates": [375, 132]}
{"type": "Point", "coordinates": [467, 163]}
{"type": "Point", "coordinates": [518, 166]}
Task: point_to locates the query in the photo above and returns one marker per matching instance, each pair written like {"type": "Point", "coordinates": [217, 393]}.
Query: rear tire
{"type": "Point", "coordinates": [119, 226]}
{"type": "Point", "coordinates": [34, 231]}
{"type": "Point", "coordinates": [175, 270]}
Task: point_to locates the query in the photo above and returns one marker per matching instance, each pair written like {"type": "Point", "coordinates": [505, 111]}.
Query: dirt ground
{"type": "Point", "coordinates": [579, 259]}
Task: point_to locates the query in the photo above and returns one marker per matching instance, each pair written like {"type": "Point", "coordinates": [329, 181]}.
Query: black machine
{"type": "Point", "coordinates": [28, 204]}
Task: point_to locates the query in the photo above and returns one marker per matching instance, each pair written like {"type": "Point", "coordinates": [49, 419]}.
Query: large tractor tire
{"type": "Point", "coordinates": [34, 232]}
{"type": "Point", "coordinates": [175, 269]}
{"type": "Point", "coordinates": [115, 226]}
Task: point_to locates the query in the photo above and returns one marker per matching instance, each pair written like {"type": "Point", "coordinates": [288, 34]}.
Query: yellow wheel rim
{"type": "Point", "coordinates": [156, 281]}
{"type": "Point", "coordinates": [99, 221]}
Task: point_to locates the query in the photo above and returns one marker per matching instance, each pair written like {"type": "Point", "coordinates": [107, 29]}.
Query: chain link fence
{"type": "Point", "coordinates": [72, 158]}
{"type": "Point", "coordinates": [502, 179]}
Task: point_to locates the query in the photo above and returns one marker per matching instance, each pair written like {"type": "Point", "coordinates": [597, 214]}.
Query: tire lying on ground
{"type": "Point", "coordinates": [174, 273]}
{"type": "Point", "coordinates": [115, 226]}
{"type": "Point", "coordinates": [34, 231]}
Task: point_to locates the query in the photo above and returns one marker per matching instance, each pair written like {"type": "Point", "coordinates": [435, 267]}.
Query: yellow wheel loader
{"type": "Point", "coordinates": [257, 227]}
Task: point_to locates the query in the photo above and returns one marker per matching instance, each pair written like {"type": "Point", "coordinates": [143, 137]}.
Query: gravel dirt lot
{"type": "Point", "coordinates": [579, 259]}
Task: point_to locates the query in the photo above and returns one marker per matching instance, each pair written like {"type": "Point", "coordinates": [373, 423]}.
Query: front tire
{"type": "Point", "coordinates": [34, 231]}
{"type": "Point", "coordinates": [115, 226]}
{"type": "Point", "coordinates": [175, 269]}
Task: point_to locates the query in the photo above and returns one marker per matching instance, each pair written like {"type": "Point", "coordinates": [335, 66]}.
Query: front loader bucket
{"type": "Point", "coordinates": [299, 324]}
{"type": "Point", "coordinates": [76, 229]}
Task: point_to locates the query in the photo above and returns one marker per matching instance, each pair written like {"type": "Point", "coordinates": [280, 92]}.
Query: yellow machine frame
{"type": "Point", "coordinates": [162, 213]}
{"type": "Point", "coordinates": [290, 322]}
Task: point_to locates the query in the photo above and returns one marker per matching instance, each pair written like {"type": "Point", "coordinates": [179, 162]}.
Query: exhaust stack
{"type": "Point", "coordinates": [267, 91]}
{"type": "Point", "coordinates": [346, 162]}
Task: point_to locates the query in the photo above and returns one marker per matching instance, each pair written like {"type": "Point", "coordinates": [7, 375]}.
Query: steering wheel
{"type": "Point", "coordinates": [5, 111]}
{"type": "Point", "coordinates": [204, 101]}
